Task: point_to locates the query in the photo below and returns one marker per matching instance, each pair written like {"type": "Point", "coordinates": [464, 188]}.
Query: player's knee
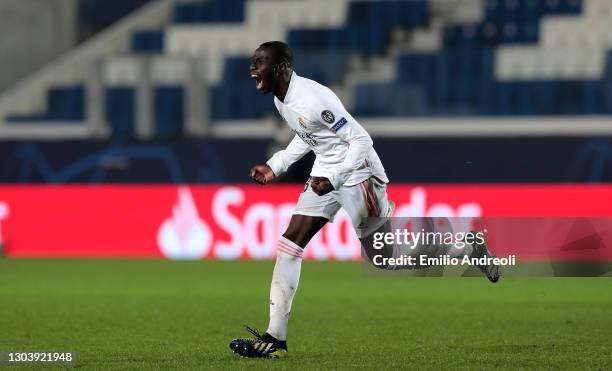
{"type": "Point", "coordinates": [294, 235]}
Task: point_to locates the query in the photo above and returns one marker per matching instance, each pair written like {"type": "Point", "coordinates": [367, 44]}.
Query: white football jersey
{"type": "Point", "coordinates": [343, 149]}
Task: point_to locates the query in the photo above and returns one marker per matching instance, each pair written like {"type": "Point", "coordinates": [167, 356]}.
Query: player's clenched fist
{"type": "Point", "coordinates": [321, 185]}
{"type": "Point", "coordinates": [262, 174]}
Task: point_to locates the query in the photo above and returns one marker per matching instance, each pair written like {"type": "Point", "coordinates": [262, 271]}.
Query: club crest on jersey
{"type": "Point", "coordinates": [338, 125]}
{"type": "Point", "coordinates": [302, 122]}
{"type": "Point", "coordinates": [328, 116]}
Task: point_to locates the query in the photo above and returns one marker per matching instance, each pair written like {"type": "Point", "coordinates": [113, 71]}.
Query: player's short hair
{"type": "Point", "coordinates": [281, 51]}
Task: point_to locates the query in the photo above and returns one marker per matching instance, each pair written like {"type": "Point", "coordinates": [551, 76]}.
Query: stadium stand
{"type": "Point", "coordinates": [441, 81]}
{"type": "Point", "coordinates": [172, 76]}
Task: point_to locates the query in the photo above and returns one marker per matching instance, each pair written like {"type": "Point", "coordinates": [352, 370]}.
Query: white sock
{"type": "Point", "coordinates": [284, 285]}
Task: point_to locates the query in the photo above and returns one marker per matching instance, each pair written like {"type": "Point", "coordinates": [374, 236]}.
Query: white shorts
{"type": "Point", "coordinates": [362, 201]}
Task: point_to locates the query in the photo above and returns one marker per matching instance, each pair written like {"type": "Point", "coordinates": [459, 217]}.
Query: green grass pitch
{"type": "Point", "coordinates": [147, 314]}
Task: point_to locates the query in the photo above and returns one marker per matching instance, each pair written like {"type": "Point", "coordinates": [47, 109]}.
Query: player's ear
{"type": "Point", "coordinates": [282, 67]}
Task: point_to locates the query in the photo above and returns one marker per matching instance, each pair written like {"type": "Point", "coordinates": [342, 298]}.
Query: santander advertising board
{"type": "Point", "coordinates": [255, 234]}
{"type": "Point", "coordinates": [240, 222]}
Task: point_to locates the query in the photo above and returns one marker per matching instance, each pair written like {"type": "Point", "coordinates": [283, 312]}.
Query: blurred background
{"type": "Point", "coordinates": [127, 128]}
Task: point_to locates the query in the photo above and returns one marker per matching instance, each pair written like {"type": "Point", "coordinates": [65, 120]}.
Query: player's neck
{"type": "Point", "coordinates": [282, 87]}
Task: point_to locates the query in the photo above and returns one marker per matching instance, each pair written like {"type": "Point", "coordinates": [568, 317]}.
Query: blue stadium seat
{"type": "Point", "coordinates": [66, 103]}
{"type": "Point", "coordinates": [606, 86]}
{"type": "Point", "coordinates": [381, 99]}
{"type": "Point", "coordinates": [120, 110]}
{"type": "Point", "coordinates": [239, 101]}
{"type": "Point", "coordinates": [563, 6]}
{"type": "Point", "coordinates": [211, 11]}
{"type": "Point", "coordinates": [104, 12]}
{"type": "Point", "coordinates": [236, 69]}
{"type": "Point", "coordinates": [169, 111]}
{"type": "Point", "coordinates": [325, 67]}
{"type": "Point", "coordinates": [150, 41]}
{"type": "Point", "coordinates": [594, 93]}
{"type": "Point", "coordinates": [388, 14]}
{"type": "Point", "coordinates": [346, 39]}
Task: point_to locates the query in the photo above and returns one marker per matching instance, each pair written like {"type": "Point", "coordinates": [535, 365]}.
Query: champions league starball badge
{"type": "Point", "coordinates": [328, 116]}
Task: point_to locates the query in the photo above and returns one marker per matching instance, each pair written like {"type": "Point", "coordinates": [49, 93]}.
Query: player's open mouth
{"type": "Point", "coordinates": [258, 81]}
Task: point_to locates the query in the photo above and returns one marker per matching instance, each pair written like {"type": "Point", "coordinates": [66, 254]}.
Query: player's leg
{"type": "Point", "coordinates": [369, 209]}
{"type": "Point", "coordinates": [286, 274]}
{"type": "Point", "coordinates": [491, 271]}
{"type": "Point", "coordinates": [311, 213]}
{"type": "Point", "coordinates": [470, 247]}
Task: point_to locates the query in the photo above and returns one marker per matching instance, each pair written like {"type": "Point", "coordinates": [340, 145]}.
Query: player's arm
{"type": "Point", "coordinates": [351, 132]}
{"type": "Point", "coordinates": [280, 161]}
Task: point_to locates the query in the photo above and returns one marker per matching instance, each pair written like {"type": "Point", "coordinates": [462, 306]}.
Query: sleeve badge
{"type": "Point", "coordinates": [328, 116]}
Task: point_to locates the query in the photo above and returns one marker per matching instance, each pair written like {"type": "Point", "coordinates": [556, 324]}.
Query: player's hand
{"type": "Point", "coordinates": [321, 185]}
{"type": "Point", "coordinates": [262, 174]}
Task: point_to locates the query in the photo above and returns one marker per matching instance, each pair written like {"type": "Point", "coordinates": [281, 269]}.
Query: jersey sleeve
{"type": "Point", "coordinates": [332, 114]}
{"type": "Point", "coordinates": [281, 160]}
